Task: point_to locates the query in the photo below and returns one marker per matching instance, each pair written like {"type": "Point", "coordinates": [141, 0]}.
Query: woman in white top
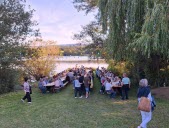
{"type": "Point", "coordinates": [109, 89]}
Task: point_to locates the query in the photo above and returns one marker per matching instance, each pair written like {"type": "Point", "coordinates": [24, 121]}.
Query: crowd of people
{"type": "Point", "coordinates": [82, 81]}
{"type": "Point", "coordinates": [80, 77]}
{"type": "Point", "coordinates": [111, 83]}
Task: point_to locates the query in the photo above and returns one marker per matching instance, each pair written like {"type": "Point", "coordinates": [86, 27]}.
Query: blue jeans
{"type": "Point", "coordinates": [78, 90]}
{"type": "Point", "coordinates": [112, 93]}
{"type": "Point", "coordinates": [43, 89]}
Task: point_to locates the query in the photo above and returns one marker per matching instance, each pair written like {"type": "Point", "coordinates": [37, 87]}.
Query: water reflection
{"type": "Point", "coordinates": [61, 66]}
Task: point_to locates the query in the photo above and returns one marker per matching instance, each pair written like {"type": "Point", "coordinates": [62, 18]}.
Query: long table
{"type": "Point", "coordinates": [50, 84]}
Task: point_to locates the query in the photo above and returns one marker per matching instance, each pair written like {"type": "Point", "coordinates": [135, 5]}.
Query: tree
{"type": "Point", "coordinates": [92, 35]}
{"type": "Point", "coordinates": [85, 5]}
{"type": "Point", "coordinates": [43, 63]}
{"type": "Point", "coordinates": [15, 26]}
{"type": "Point", "coordinates": [137, 31]}
{"type": "Point", "coordinates": [137, 28]}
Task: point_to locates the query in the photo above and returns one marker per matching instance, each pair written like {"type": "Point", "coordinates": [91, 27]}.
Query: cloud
{"type": "Point", "coordinates": [58, 19]}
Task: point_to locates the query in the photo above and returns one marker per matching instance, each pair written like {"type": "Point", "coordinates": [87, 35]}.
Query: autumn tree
{"type": "Point", "coordinates": [44, 63]}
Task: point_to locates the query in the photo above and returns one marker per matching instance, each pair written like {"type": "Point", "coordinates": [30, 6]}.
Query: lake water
{"type": "Point", "coordinates": [61, 66]}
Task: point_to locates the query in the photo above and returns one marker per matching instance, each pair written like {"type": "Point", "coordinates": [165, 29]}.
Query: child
{"type": "Point", "coordinates": [77, 88]}
{"type": "Point", "coordinates": [27, 91]}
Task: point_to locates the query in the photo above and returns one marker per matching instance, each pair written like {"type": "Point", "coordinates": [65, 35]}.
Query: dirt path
{"type": "Point", "coordinates": [162, 92]}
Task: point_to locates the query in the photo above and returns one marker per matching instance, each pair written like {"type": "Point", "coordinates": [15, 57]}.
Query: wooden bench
{"type": "Point", "coordinates": [56, 89]}
{"type": "Point", "coordinates": [65, 83]}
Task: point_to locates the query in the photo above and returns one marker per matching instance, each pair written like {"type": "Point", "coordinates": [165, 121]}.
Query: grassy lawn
{"type": "Point", "coordinates": [62, 110]}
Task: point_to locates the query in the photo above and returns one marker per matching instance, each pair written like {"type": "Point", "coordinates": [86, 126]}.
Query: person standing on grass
{"type": "Point", "coordinates": [77, 88]}
{"type": "Point", "coordinates": [86, 84]}
{"type": "Point", "coordinates": [81, 80]}
{"type": "Point", "coordinates": [125, 86]}
{"type": "Point", "coordinates": [27, 91]}
{"type": "Point", "coordinates": [144, 91]}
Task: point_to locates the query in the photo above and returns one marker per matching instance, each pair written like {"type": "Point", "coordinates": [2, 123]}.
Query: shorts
{"type": "Point", "coordinates": [87, 89]}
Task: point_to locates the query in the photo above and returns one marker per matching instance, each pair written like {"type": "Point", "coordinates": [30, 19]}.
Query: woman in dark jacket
{"type": "Point", "coordinates": [144, 91]}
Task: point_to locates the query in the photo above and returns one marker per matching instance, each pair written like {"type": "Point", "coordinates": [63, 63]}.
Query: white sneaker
{"type": "Point", "coordinates": [81, 97]}
{"type": "Point", "coordinates": [22, 100]}
{"type": "Point", "coordinates": [86, 97]}
{"type": "Point", "coordinates": [29, 102]}
{"type": "Point", "coordinates": [75, 97]}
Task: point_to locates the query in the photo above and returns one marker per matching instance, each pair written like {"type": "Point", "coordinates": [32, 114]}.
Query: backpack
{"type": "Point", "coordinates": [30, 89]}
{"type": "Point", "coordinates": [153, 104]}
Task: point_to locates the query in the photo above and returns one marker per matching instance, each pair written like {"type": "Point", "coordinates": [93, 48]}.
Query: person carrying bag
{"type": "Point", "coordinates": [144, 102]}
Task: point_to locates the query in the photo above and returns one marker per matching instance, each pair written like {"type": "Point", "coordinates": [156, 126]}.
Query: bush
{"type": "Point", "coordinates": [118, 68]}
{"type": "Point", "coordinates": [8, 79]}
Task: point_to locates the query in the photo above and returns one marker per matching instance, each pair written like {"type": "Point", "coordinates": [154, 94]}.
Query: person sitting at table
{"type": "Point", "coordinates": [116, 81]}
{"type": "Point", "coordinates": [117, 85]}
{"type": "Point", "coordinates": [103, 81]}
{"type": "Point", "coordinates": [46, 79]}
{"type": "Point", "coordinates": [57, 82]}
{"type": "Point", "coordinates": [109, 89]}
{"type": "Point", "coordinates": [41, 85]}
{"type": "Point", "coordinates": [60, 81]}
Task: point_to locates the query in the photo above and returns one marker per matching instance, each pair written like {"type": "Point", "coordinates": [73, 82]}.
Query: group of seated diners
{"type": "Point", "coordinates": [56, 82]}
{"type": "Point", "coordinates": [112, 84]}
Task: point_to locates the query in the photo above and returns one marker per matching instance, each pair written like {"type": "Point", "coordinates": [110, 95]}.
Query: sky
{"type": "Point", "coordinates": [58, 19]}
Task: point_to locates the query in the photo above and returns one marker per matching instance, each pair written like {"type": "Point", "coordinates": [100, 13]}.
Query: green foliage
{"type": "Point", "coordinates": [154, 37]}
{"type": "Point", "coordinates": [92, 36]}
{"type": "Point", "coordinates": [118, 68]}
{"type": "Point", "coordinates": [8, 79]}
{"type": "Point", "coordinates": [85, 5]}
{"type": "Point", "coordinates": [136, 31]}
{"type": "Point", "coordinates": [15, 26]}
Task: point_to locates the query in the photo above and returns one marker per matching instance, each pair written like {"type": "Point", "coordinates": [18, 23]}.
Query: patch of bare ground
{"type": "Point", "coordinates": [162, 92]}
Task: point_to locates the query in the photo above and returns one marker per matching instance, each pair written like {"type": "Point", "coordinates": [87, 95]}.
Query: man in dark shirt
{"type": "Point", "coordinates": [81, 79]}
